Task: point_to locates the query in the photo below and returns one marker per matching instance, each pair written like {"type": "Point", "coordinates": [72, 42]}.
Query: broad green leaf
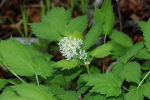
{"type": "Point", "coordinates": [9, 94]}
{"type": "Point", "coordinates": [139, 93]}
{"type": "Point", "coordinates": [56, 22]}
{"type": "Point", "coordinates": [33, 92]}
{"type": "Point", "coordinates": [121, 38]}
{"type": "Point", "coordinates": [92, 36]}
{"type": "Point", "coordinates": [43, 30]}
{"type": "Point", "coordinates": [129, 71]}
{"type": "Point", "coordinates": [145, 26]}
{"type": "Point", "coordinates": [131, 52]}
{"type": "Point", "coordinates": [105, 15]}
{"type": "Point", "coordinates": [134, 94]}
{"type": "Point", "coordinates": [146, 89]}
{"type": "Point", "coordinates": [66, 64]}
{"type": "Point", "coordinates": [3, 82]}
{"type": "Point", "coordinates": [102, 51]}
{"type": "Point", "coordinates": [117, 50]}
{"type": "Point", "coordinates": [78, 24]}
{"type": "Point", "coordinates": [107, 84]}
{"type": "Point", "coordinates": [15, 56]}
{"type": "Point", "coordinates": [23, 60]}
{"type": "Point", "coordinates": [143, 54]}
{"type": "Point", "coordinates": [68, 95]}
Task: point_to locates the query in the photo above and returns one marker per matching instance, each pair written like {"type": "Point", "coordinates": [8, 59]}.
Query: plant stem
{"type": "Point", "coordinates": [87, 68]}
{"type": "Point", "coordinates": [37, 80]}
{"type": "Point", "coordinates": [143, 79]}
{"type": "Point", "coordinates": [16, 75]}
{"type": "Point", "coordinates": [125, 88]}
{"type": "Point", "coordinates": [104, 38]}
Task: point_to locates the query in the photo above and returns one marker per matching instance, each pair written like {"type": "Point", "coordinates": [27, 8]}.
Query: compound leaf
{"type": "Point", "coordinates": [129, 71]}
{"type": "Point", "coordinates": [107, 84]}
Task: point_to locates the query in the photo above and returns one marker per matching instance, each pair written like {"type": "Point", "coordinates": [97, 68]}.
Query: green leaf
{"type": "Point", "coordinates": [107, 84]}
{"type": "Point", "coordinates": [131, 52]}
{"type": "Point", "coordinates": [146, 89]}
{"type": "Point", "coordinates": [146, 33]}
{"type": "Point", "coordinates": [143, 54]}
{"type": "Point", "coordinates": [105, 15]}
{"type": "Point", "coordinates": [3, 82]}
{"type": "Point", "coordinates": [121, 38]}
{"type": "Point", "coordinates": [117, 50]}
{"type": "Point", "coordinates": [94, 96]}
{"type": "Point", "coordinates": [78, 24]}
{"type": "Point", "coordinates": [68, 95]}
{"type": "Point", "coordinates": [134, 94]}
{"type": "Point", "coordinates": [139, 93]}
{"type": "Point", "coordinates": [33, 92]}
{"type": "Point", "coordinates": [57, 22]}
{"type": "Point", "coordinates": [102, 51]}
{"type": "Point", "coordinates": [15, 56]}
{"type": "Point", "coordinates": [42, 63]}
{"type": "Point", "coordinates": [129, 71]}
{"type": "Point", "coordinates": [27, 62]}
{"type": "Point", "coordinates": [145, 66]}
{"type": "Point", "coordinates": [92, 36]}
{"type": "Point", "coordinates": [66, 64]}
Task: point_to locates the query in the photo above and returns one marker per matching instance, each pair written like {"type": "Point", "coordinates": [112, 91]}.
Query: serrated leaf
{"type": "Point", "coordinates": [107, 84]}
{"type": "Point", "coordinates": [56, 22]}
{"type": "Point", "coordinates": [134, 94]}
{"type": "Point", "coordinates": [24, 60]}
{"type": "Point", "coordinates": [146, 89]}
{"type": "Point", "coordinates": [106, 15]}
{"type": "Point", "coordinates": [143, 54]}
{"type": "Point", "coordinates": [3, 82]}
{"type": "Point", "coordinates": [102, 51]}
{"type": "Point", "coordinates": [94, 96]}
{"type": "Point", "coordinates": [43, 30]}
{"type": "Point", "coordinates": [121, 38]}
{"type": "Point", "coordinates": [33, 92]}
{"type": "Point", "coordinates": [78, 24]}
{"type": "Point", "coordinates": [92, 36]}
{"type": "Point", "coordinates": [66, 64]}
{"type": "Point", "coordinates": [117, 50]}
{"type": "Point", "coordinates": [146, 33]}
{"type": "Point", "coordinates": [129, 71]}
{"type": "Point", "coordinates": [132, 51]}
{"type": "Point", "coordinates": [15, 57]}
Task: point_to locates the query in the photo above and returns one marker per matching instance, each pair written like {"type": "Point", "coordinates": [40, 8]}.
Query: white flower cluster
{"type": "Point", "coordinates": [71, 48]}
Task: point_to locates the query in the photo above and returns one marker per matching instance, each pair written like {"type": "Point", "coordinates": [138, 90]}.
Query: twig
{"type": "Point", "coordinates": [37, 80]}
{"type": "Point", "coordinates": [2, 2]}
{"type": "Point", "coordinates": [143, 79]}
{"type": "Point", "coordinates": [119, 14]}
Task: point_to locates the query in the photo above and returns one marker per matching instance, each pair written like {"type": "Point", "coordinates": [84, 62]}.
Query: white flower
{"type": "Point", "coordinates": [71, 48]}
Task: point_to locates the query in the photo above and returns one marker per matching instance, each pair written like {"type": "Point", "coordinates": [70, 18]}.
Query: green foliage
{"type": "Point", "coordinates": [121, 38]}
{"type": "Point", "coordinates": [131, 52]}
{"type": "Point", "coordinates": [107, 84]}
{"type": "Point", "coordinates": [93, 96]}
{"type": "Point", "coordinates": [37, 75]}
{"type": "Point", "coordinates": [27, 62]}
{"type": "Point", "coordinates": [106, 16]}
{"type": "Point", "coordinates": [56, 22]}
{"type": "Point", "coordinates": [145, 26]}
{"type": "Point", "coordinates": [102, 51]}
{"type": "Point", "coordinates": [139, 93]}
{"type": "Point", "coordinates": [3, 82]}
{"type": "Point", "coordinates": [143, 54]}
{"type": "Point", "coordinates": [129, 71]}
{"type": "Point", "coordinates": [92, 36]}
{"type": "Point", "coordinates": [27, 92]}
{"type": "Point", "coordinates": [65, 64]}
